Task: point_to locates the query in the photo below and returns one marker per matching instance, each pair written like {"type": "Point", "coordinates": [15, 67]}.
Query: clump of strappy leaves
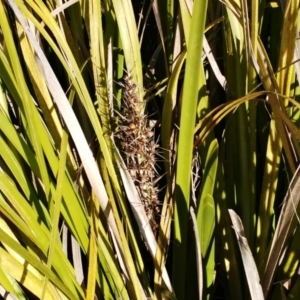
{"type": "Point", "coordinates": [136, 137]}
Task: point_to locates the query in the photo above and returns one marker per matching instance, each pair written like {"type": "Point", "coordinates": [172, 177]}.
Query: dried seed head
{"type": "Point", "coordinates": [135, 134]}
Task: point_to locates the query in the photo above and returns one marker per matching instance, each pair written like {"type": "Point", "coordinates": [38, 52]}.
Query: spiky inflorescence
{"type": "Point", "coordinates": [136, 138]}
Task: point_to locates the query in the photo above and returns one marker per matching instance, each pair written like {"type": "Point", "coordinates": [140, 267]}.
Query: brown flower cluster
{"type": "Point", "coordinates": [136, 138]}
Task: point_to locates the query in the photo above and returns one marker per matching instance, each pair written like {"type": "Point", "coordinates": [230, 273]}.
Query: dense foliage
{"type": "Point", "coordinates": [149, 150]}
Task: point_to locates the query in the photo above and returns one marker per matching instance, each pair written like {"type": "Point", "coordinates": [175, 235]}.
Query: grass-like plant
{"type": "Point", "coordinates": [149, 150]}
